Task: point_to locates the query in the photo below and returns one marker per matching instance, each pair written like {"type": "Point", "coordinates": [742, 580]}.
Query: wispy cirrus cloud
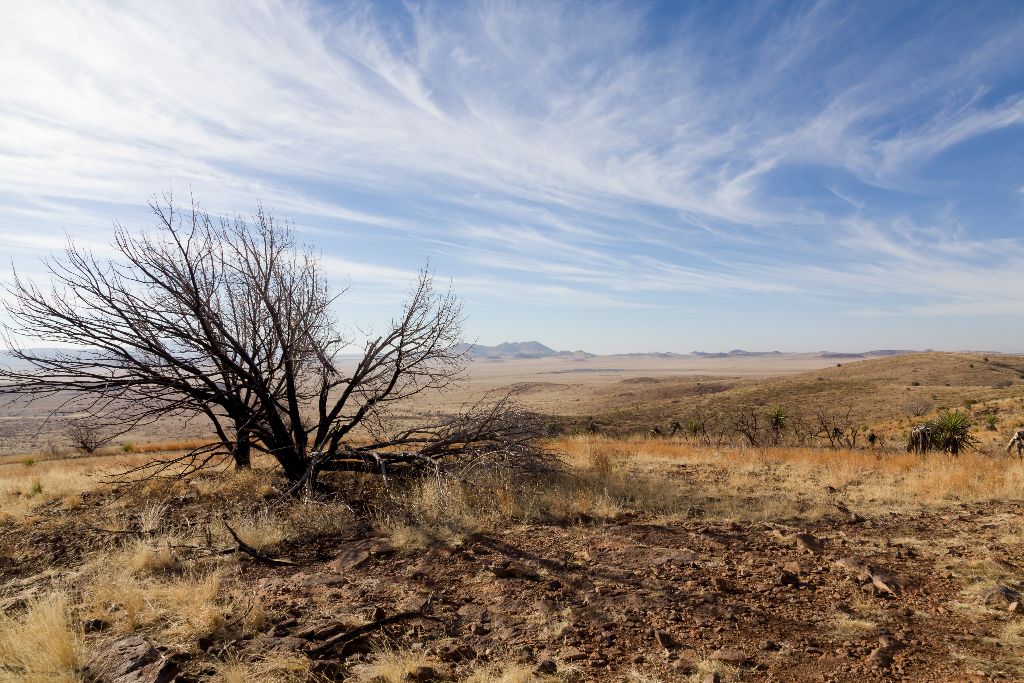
{"type": "Point", "coordinates": [607, 155]}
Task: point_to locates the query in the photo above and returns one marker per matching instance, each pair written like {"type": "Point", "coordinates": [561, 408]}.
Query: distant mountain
{"type": "Point", "coordinates": [734, 352]}
{"type": "Point", "coordinates": [878, 353]}
{"type": "Point", "coordinates": [521, 350]}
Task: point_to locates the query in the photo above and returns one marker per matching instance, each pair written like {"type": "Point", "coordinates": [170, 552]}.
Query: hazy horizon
{"type": "Point", "coordinates": [612, 177]}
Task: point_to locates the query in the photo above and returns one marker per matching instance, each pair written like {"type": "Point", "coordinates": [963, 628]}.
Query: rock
{"type": "Point", "coordinates": [885, 583]}
{"type": "Point", "coordinates": [787, 578]}
{"type": "Point", "coordinates": [514, 570]}
{"type": "Point", "coordinates": [768, 645]}
{"type": "Point", "coordinates": [688, 662]}
{"type": "Point", "coordinates": [1015, 607]}
{"type": "Point", "coordinates": [729, 655]}
{"type": "Point", "coordinates": [713, 678]}
{"type": "Point", "coordinates": [451, 650]}
{"type": "Point", "coordinates": [474, 613]}
{"type": "Point", "coordinates": [415, 603]}
{"type": "Point", "coordinates": [327, 669]}
{"type": "Point", "coordinates": [880, 658]}
{"type": "Point", "coordinates": [349, 559]}
{"type": "Point", "coordinates": [664, 639]}
{"type": "Point", "coordinates": [814, 546]}
{"type": "Point", "coordinates": [93, 625]}
{"type": "Point", "coordinates": [857, 566]}
{"type": "Point", "coordinates": [545, 667]}
{"type": "Point", "coordinates": [572, 654]}
{"type": "Point", "coordinates": [130, 660]}
{"type": "Point", "coordinates": [1000, 596]}
{"type": "Point", "coordinates": [424, 674]}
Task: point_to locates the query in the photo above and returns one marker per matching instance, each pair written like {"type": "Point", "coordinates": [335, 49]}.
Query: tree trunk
{"type": "Point", "coordinates": [242, 451]}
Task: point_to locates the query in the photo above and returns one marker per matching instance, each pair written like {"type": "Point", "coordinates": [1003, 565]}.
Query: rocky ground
{"type": "Point", "coordinates": [918, 596]}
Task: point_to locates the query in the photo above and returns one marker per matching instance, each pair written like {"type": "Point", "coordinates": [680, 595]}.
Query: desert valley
{"type": "Point", "coordinates": [632, 556]}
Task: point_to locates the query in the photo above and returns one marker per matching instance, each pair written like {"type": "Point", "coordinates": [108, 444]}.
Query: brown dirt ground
{"type": "Point", "coordinates": [603, 599]}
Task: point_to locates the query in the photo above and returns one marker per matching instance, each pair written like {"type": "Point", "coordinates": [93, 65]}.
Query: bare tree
{"type": "Point", "coordinates": [838, 427]}
{"type": "Point", "coordinates": [747, 423]}
{"type": "Point", "coordinates": [228, 320]}
{"type": "Point", "coordinates": [86, 436]}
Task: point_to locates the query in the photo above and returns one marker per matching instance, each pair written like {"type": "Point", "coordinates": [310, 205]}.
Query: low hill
{"type": "Point", "coordinates": [519, 350]}
{"type": "Point", "coordinates": [883, 392]}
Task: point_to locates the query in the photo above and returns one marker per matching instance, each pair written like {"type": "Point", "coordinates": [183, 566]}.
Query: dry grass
{"type": "Point", "coordinates": [395, 666]}
{"type": "Point", "coordinates": [448, 510]}
{"type": "Point", "coordinates": [42, 644]}
{"type": "Point", "coordinates": [274, 667]}
{"type": "Point", "coordinates": [794, 482]}
{"type": "Point", "coordinates": [606, 478]}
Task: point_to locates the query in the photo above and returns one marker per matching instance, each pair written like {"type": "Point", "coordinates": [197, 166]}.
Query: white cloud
{"type": "Point", "coordinates": [550, 148]}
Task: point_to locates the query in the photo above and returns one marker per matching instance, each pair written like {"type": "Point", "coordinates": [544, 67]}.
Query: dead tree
{"type": "Point", "coordinates": [838, 427]}
{"type": "Point", "coordinates": [747, 424]}
{"type": "Point", "coordinates": [228, 320]}
{"type": "Point", "coordinates": [86, 436]}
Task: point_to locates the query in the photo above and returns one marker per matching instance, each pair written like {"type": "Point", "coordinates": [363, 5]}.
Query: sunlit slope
{"type": "Point", "coordinates": [883, 392]}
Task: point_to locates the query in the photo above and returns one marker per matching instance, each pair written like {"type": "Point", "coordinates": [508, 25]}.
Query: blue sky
{"type": "Point", "coordinates": [608, 176]}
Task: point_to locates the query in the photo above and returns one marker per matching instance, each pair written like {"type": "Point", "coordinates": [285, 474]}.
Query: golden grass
{"type": "Point", "coordinates": [395, 666]}
{"type": "Point", "coordinates": [392, 666]}
{"type": "Point", "coordinates": [274, 667]}
{"type": "Point", "coordinates": [42, 644]}
{"type": "Point", "coordinates": [765, 483]}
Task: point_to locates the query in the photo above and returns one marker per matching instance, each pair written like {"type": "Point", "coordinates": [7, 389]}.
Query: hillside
{"type": "Point", "coordinates": [518, 350]}
{"type": "Point", "coordinates": [883, 393]}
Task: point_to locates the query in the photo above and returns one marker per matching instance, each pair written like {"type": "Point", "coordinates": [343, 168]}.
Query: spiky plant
{"type": "Point", "coordinates": [777, 420]}
{"type": "Point", "coordinates": [951, 432]}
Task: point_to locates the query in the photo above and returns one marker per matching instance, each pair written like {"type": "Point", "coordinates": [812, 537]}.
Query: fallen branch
{"type": "Point", "coordinates": [256, 554]}
{"type": "Point", "coordinates": [341, 639]}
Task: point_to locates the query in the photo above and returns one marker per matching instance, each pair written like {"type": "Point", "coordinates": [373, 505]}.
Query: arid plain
{"type": "Point", "coordinates": [706, 555]}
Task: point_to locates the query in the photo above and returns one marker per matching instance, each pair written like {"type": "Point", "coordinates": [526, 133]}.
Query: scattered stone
{"type": "Point", "coordinates": [474, 613]}
{"type": "Point", "coordinates": [350, 559]}
{"type": "Point", "coordinates": [423, 673]}
{"type": "Point", "coordinates": [788, 578]}
{"type": "Point", "coordinates": [1000, 596]}
{"type": "Point", "coordinates": [729, 655]}
{"type": "Point", "coordinates": [664, 639]}
{"type": "Point", "coordinates": [130, 660]}
{"type": "Point", "coordinates": [545, 667]}
{"type": "Point", "coordinates": [451, 650]}
{"type": "Point", "coordinates": [813, 545]}
{"type": "Point", "coordinates": [573, 654]}
{"type": "Point", "coordinates": [880, 658]}
{"type": "Point", "coordinates": [885, 583]}
{"type": "Point", "coordinates": [93, 625]}
{"type": "Point", "coordinates": [514, 570]}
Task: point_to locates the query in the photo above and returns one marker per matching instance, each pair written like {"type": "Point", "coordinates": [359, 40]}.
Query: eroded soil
{"type": "Point", "coordinates": [589, 601]}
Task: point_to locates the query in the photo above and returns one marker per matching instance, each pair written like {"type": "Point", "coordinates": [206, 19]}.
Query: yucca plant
{"type": "Point", "coordinates": [777, 419]}
{"type": "Point", "coordinates": [951, 432]}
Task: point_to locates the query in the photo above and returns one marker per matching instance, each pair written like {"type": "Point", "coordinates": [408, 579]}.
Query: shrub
{"type": "Point", "coordinates": [951, 432]}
